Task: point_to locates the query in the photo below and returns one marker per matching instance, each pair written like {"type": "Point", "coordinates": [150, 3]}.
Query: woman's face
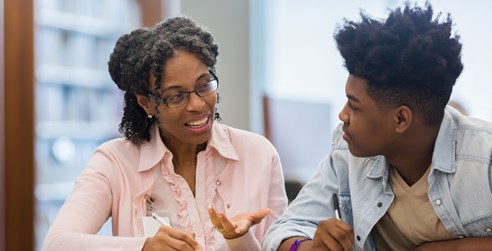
{"type": "Point", "coordinates": [190, 123]}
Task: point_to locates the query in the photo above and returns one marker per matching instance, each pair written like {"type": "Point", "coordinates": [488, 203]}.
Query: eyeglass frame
{"type": "Point", "coordinates": [162, 100]}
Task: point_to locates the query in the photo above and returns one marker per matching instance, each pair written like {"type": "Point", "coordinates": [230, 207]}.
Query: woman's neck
{"type": "Point", "coordinates": [184, 154]}
{"type": "Point", "coordinates": [184, 159]}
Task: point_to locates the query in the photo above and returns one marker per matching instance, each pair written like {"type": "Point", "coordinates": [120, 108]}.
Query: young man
{"type": "Point", "coordinates": [409, 172]}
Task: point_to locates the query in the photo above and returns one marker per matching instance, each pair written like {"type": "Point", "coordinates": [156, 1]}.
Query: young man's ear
{"type": "Point", "coordinates": [403, 118]}
{"type": "Point", "coordinates": [145, 103]}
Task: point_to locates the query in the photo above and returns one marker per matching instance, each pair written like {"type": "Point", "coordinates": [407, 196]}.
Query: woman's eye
{"type": "Point", "coordinates": [203, 87]}
{"type": "Point", "coordinates": [176, 97]}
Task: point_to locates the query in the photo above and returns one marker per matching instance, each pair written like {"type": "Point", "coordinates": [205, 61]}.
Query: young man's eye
{"type": "Point", "coordinates": [351, 106]}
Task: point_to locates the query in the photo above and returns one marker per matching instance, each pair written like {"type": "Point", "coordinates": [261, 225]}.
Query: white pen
{"type": "Point", "coordinates": [158, 219]}
{"type": "Point", "coordinates": [337, 207]}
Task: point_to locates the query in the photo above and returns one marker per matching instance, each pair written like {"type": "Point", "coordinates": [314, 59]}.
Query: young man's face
{"type": "Point", "coordinates": [367, 128]}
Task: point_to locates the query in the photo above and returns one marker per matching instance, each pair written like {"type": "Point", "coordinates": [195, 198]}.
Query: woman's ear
{"type": "Point", "coordinates": [144, 102]}
{"type": "Point", "coordinates": [403, 118]}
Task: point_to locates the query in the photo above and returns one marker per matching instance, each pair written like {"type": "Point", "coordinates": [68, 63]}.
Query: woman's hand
{"type": "Point", "coordinates": [168, 238]}
{"type": "Point", "coordinates": [237, 225]}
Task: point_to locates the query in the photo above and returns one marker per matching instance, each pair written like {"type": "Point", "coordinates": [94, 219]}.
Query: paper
{"type": "Point", "coordinates": [151, 226]}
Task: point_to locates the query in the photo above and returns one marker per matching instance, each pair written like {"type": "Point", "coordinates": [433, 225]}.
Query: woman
{"type": "Point", "coordinates": [218, 187]}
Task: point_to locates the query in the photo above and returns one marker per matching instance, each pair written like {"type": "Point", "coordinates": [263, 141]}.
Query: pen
{"type": "Point", "coordinates": [274, 214]}
{"type": "Point", "coordinates": [158, 219]}
{"type": "Point", "coordinates": [336, 206]}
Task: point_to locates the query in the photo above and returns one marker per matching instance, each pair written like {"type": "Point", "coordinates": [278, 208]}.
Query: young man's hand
{"type": "Point", "coordinates": [333, 234]}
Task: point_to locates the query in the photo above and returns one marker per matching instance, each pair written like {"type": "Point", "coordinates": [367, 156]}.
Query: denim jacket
{"type": "Point", "coordinates": [460, 185]}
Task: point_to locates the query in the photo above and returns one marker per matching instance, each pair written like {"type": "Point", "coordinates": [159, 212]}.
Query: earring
{"type": "Point", "coordinates": [149, 120]}
{"type": "Point", "coordinates": [217, 115]}
{"type": "Point", "coordinates": [218, 98]}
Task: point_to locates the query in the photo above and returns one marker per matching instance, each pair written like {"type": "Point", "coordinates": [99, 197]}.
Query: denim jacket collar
{"type": "Point", "coordinates": [443, 158]}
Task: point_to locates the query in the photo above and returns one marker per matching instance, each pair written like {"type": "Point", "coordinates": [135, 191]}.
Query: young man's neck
{"type": "Point", "coordinates": [414, 154]}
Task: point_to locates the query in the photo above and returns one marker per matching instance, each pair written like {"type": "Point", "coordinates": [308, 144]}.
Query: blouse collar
{"type": "Point", "coordinates": [153, 151]}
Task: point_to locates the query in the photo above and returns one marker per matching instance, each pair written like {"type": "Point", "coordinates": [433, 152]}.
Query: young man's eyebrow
{"type": "Point", "coordinates": [352, 98]}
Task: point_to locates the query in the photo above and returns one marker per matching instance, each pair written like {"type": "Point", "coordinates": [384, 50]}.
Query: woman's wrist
{"type": "Point", "coordinates": [247, 241]}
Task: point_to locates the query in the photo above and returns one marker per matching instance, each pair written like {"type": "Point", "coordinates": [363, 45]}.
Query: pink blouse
{"type": "Point", "coordinates": [239, 172]}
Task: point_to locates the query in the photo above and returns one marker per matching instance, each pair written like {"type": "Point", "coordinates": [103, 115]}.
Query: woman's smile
{"type": "Point", "coordinates": [200, 124]}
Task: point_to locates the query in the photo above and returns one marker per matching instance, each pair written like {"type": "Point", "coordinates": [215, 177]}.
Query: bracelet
{"type": "Point", "coordinates": [297, 243]}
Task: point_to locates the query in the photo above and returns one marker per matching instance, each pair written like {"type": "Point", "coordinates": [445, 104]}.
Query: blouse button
{"type": "Point", "coordinates": [358, 238]}
{"type": "Point", "coordinates": [228, 205]}
{"type": "Point", "coordinates": [488, 229]}
{"type": "Point", "coordinates": [438, 202]}
{"type": "Point", "coordinates": [217, 182]}
{"type": "Point", "coordinates": [380, 204]}
{"type": "Point", "coordinates": [461, 237]}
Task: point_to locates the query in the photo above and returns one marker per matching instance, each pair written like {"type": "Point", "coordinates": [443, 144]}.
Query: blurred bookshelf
{"type": "Point", "coordinates": [77, 105]}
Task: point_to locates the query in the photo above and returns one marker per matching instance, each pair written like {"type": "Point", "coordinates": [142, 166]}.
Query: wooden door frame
{"type": "Point", "coordinates": [18, 123]}
{"type": "Point", "coordinates": [2, 135]}
{"type": "Point", "coordinates": [150, 12]}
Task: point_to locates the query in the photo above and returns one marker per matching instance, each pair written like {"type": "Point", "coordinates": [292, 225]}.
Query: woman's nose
{"type": "Point", "coordinates": [195, 102]}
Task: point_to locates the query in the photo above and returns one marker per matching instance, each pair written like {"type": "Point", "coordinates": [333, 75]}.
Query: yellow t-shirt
{"type": "Point", "coordinates": [410, 220]}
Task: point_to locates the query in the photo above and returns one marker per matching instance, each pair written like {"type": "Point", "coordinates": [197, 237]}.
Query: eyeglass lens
{"type": "Point", "coordinates": [183, 97]}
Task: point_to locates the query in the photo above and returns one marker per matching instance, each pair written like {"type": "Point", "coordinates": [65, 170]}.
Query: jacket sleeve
{"type": "Point", "coordinates": [311, 206]}
{"type": "Point", "coordinates": [86, 210]}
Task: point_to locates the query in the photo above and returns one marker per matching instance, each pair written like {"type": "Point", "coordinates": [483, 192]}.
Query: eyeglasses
{"type": "Point", "coordinates": [182, 98]}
